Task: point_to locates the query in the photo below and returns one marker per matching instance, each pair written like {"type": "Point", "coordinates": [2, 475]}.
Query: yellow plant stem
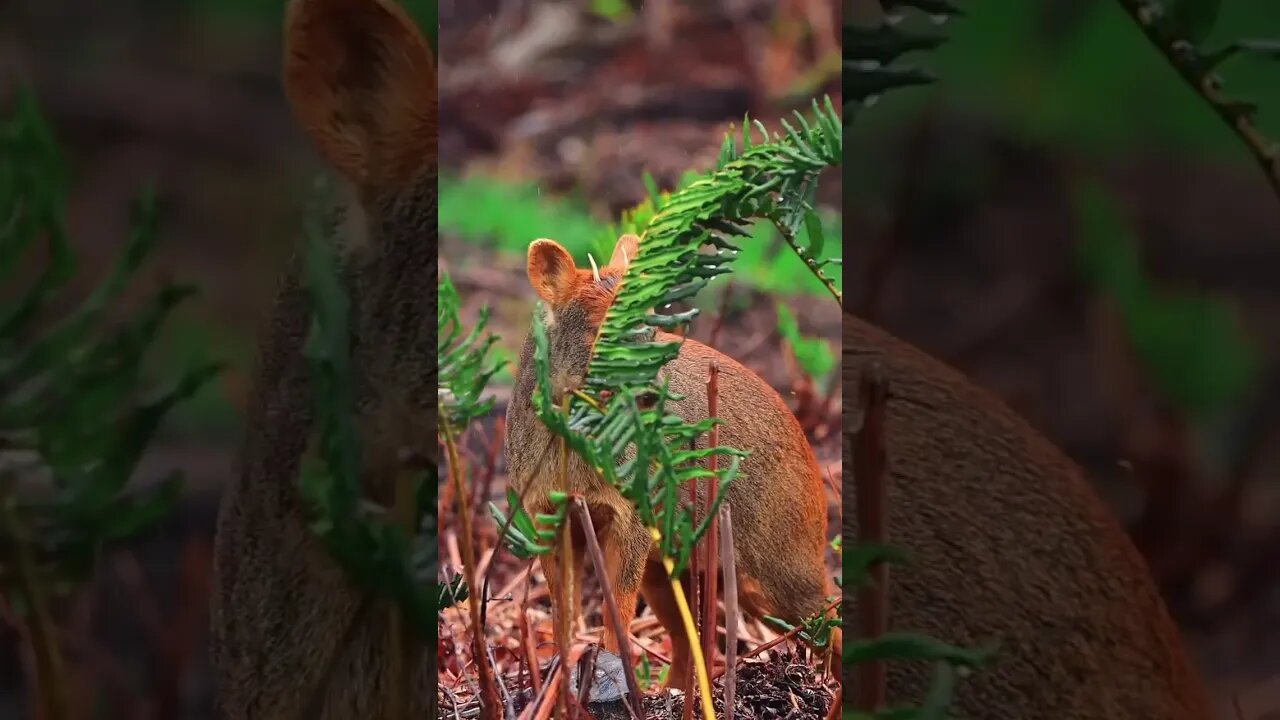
{"type": "Point", "coordinates": [690, 631]}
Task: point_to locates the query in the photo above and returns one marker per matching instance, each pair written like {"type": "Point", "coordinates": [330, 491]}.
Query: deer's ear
{"type": "Point", "coordinates": [552, 272]}
{"type": "Point", "coordinates": [624, 251]}
{"type": "Point", "coordinates": [361, 80]}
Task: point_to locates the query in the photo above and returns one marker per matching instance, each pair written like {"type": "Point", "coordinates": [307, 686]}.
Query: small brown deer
{"type": "Point", "coordinates": [292, 638]}
{"type": "Point", "coordinates": [1011, 545]}
{"type": "Point", "coordinates": [778, 503]}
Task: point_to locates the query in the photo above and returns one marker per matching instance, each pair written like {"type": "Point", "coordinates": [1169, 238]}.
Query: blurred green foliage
{"type": "Point", "coordinates": [506, 217]}
{"type": "Point", "coordinates": [616, 10]}
{"type": "Point", "coordinates": [77, 412]}
{"type": "Point", "coordinates": [1190, 19]}
{"type": "Point", "coordinates": [814, 354]}
{"type": "Point", "coordinates": [427, 15]}
{"type": "Point", "coordinates": [1047, 73]}
{"type": "Point", "coordinates": [210, 415]}
{"type": "Point", "coordinates": [1192, 345]}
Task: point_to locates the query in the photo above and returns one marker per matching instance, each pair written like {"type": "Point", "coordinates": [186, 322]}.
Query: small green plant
{"type": "Point", "coordinates": [647, 676]}
{"type": "Point", "coordinates": [465, 368]}
{"type": "Point", "coordinates": [523, 537]}
{"type": "Point", "coordinates": [76, 413]}
{"type": "Point", "coordinates": [814, 354]}
{"type": "Point", "coordinates": [616, 10]}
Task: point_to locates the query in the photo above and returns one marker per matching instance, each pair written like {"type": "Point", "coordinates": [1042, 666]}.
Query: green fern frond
{"type": "Point", "coordinates": [465, 364]}
{"type": "Point", "coordinates": [772, 180]}
{"type": "Point", "coordinates": [523, 536]}
{"type": "Point", "coordinates": [629, 437]}
{"type": "Point", "coordinates": [870, 53]}
{"type": "Point", "coordinates": [378, 555]}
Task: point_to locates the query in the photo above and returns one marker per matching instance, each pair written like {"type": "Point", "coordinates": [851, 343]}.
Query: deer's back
{"type": "Point", "coordinates": [777, 498]}
{"type": "Point", "coordinates": [1009, 543]}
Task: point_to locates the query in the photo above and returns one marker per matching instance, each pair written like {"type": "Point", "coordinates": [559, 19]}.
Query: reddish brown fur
{"type": "Point", "coordinates": [558, 281]}
{"type": "Point", "coordinates": [370, 106]}
{"type": "Point", "coordinates": [1011, 545]}
{"type": "Point", "coordinates": [778, 501]}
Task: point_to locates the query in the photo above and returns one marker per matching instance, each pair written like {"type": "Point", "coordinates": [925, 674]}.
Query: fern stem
{"type": "Point", "coordinates": [1182, 56]}
{"type": "Point", "coordinates": [564, 593]}
{"type": "Point", "coordinates": [488, 685]}
{"type": "Point", "coordinates": [729, 563]}
{"type": "Point", "coordinates": [810, 262]}
{"type": "Point", "coordinates": [610, 603]}
{"type": "Point", "coordinates": [712, 541]}
{"type": "Point", "coordinates": [691, 632]}
{"type": "Point", "coordinates": [44, 643]}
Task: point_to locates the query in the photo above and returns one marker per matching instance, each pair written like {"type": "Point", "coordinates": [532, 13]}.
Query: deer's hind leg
{"type": "Point", "coordinates": [625, 543]}
{"type": "Point", "coordinates": [793, 597]}
{"type": "Point", "coordinates": [552, 567]}
{"type": "Point", "coordinates": [661, 598]}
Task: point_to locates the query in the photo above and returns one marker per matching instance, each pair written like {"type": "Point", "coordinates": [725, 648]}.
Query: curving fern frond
{"type": "Point", "coordinates": [870, 52]}
{"type": "Point", "coordinates": [621, 407]}
{"type": "Point", "coordinates": [1178, 29]}
{"type": "Point", "coordinates": [465, 363]}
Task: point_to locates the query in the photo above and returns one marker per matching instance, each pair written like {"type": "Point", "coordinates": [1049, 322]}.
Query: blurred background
{"type": "Point", "coordinates": [1064, 220]}
{"type": "Point", "coordinates": [185, 98]}
{"type": "Point", "coordinates": [1004, 220]}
